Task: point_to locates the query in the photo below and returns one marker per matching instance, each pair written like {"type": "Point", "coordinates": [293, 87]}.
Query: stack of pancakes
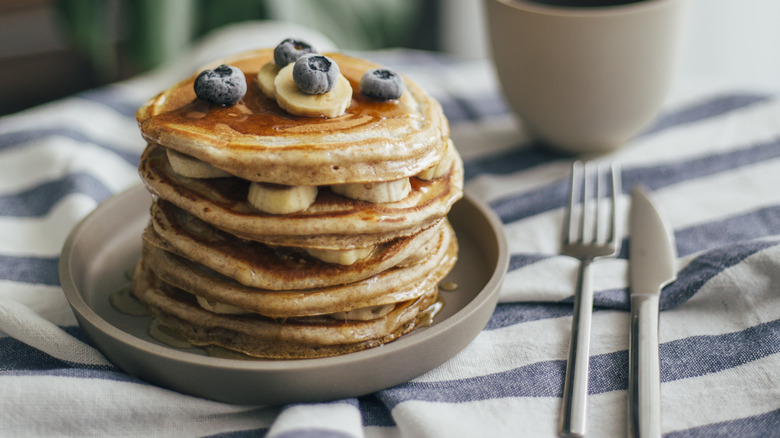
{"type": "Point", "coordinates": [340, 276]}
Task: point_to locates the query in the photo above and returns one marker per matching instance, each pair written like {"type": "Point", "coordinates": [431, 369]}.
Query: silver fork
{"type": "Point", "coordinates": [585, 237]}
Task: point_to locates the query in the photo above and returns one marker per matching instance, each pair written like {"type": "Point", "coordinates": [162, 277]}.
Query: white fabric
{"type": "Point", "coordinates": [711, 159]}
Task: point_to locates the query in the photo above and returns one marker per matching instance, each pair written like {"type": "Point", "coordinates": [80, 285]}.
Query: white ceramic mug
{"type": "Point", "coordinates": [585, 79]}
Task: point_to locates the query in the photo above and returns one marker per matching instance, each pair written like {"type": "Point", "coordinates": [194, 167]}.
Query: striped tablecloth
{"type": "Point", "coordinates": [711, 159]}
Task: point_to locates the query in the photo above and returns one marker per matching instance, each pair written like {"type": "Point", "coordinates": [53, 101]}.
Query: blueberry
{"type": "Point", "coordinates": [382, 84]}
{"type": "Point", "coordinates": [225, 85]}
{"type": "Point", "coordinates": [315, 74]}
{"type": "Point", "coordinates": [290, 50]}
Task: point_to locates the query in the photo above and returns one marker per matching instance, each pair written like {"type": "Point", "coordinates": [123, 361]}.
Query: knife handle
{"type": "Point", "coordinates": [644, 370]}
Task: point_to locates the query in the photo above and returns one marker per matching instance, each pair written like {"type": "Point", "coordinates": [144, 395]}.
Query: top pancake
{"type": "Point", "coordinates": [258, 141]}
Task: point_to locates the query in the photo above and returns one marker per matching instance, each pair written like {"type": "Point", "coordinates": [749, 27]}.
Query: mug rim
{"type": "Point", "coordinates": [583, 11]}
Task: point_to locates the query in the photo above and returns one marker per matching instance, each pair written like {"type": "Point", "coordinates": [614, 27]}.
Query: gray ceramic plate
{"type": "Point", "coordinates": [107, 243]}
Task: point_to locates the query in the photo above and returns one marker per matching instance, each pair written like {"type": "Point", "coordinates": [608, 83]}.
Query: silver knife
{"type": "Point", "coordinates": [651, 267]}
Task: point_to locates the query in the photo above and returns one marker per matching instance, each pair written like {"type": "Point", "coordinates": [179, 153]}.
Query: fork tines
{"type": "Point", "coordinates": [588, 221]}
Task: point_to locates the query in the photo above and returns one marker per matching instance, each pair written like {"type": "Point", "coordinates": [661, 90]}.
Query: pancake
{"type": "Point", "coordinates": [331, 222]}
{"type": "Point", "coordinates": [267, 338]}
{"type": "Point", "coordinates": [282, 236]}
{"type": "Point", "coordinates": [257, 265]}
{"type": "Point", "coordinates": [389, 286]}
{"type": "Point", "coordinates": [257, 141]}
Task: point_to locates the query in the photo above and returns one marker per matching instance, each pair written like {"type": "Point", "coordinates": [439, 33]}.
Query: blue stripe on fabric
{"type": "Point", "coordinates": [740, 228]}
{"type": "Point", "coordinates": [250, 433]}
{"type": "Point", "coordinates": [374, 412]}
{"type": "Point", "coordinates": [517, 261]}
{"type": "Point", "coordinates": [314, 433]}
{"type": "Point", "coordinates": [520, 206]}
{"type": "Point", "coordinates": [735, 229]}
{"type": "Point", "coordinates": [689, 281]}
{"type": "Point", "coordinates": [18, 356]}
{"type": "Point", "coordinates": [552, 196]}
{"type": "Point", "coordinates": [15, 355]}
{"type": "Point", "coordinates": [39, 200]}
{"type": "Point", "coordinates": [458, 109]}
{"type": "Point", "coordinates": [513, 160]}
{"type": "Point", "coordinates": [20, 359]}
{"type": "Point", "coordinates": [247, 416]}
{"type": "Point", "coordinates": [34, 270]}
{"type": "Point", "coordinates": [757, 426]}
{"type": "Point", "coordinates": [508, 314]}
{"type": "Point", "coordinates": [699, 271]}
{"type": "Point", "coordinates": [16, 138]}
{"type": "Point", "coordinates": [716, 106]}
{"type": "Point", "coordinates": [692, 277]}
{"type": "Point", "coordinates": [112, 98]}
{"type": "Point", "coordinates": [536, 153]}
{"type": "Point", "coordinates": [685, 358]}
{"type": "Point", "coordinates": [541, 379]}
{"type": "Point", "coordinates": [77, 372]}
{"type": "Point", "coordinates": [701, 355]}
{"type": "Point", "coordinates": [656, 177]}
{"type": "Point", "coordinates": [703, 268]}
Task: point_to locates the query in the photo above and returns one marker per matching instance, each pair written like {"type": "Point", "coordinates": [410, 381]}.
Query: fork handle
{"type": "Point", "coordinates": [575, 388]}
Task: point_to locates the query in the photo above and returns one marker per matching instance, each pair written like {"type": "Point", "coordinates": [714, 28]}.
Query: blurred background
{"type": "Point", "coordinates": [53, 48]}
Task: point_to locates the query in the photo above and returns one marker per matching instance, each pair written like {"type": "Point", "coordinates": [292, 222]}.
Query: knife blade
{"type": "Point", "coordinates": [652, 257]}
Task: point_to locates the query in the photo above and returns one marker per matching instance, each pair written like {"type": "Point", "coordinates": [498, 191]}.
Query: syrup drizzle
{"type": "Point", "coordinates": [125, 302]}
{"type": "Point", "coordinates": [259, 115]}
{"type": "Point", "coordinates": [449, 286]}
{"type": "Point", "coordinates": [167, 336]}
{"type": "Point", "coordinates": [427, 316]}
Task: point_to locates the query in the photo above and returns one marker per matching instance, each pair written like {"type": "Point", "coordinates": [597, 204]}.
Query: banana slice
{"type": "Point", "coordinates": [278, 199]}
{"type": "Point", "coordinates": [441, 168]}
{"type": "Point", "coordinates": [291, 99]}
{"type": "Point", "coordinates": [192, 167]}
{"type": "Point", "coordinates": [377, 193]}
{"type": "Point", "coordinates": [217, 307]}
{"type": "Point", "coordinates": [266, 77]}
{"type": "Point", "coordinates": [341, 257]}
{"type": "Point", "coordinates": [364, 314]}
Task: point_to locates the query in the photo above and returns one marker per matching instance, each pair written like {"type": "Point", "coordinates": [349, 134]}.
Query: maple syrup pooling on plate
{"type": "Point", "coordinates": [123, 300]}
{"type": "Point", "coordinates": [449, 286]}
